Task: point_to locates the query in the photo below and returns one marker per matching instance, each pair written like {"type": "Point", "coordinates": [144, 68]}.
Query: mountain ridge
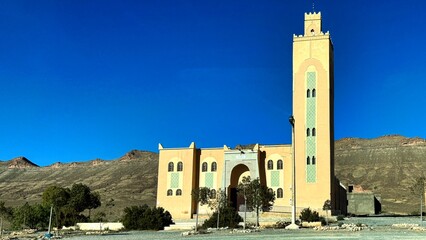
{"type": "Point", "coordinates": [386, 165]}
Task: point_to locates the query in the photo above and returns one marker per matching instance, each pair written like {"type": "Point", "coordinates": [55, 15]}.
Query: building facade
{"type": "Point", "coordinates": [183, 169]}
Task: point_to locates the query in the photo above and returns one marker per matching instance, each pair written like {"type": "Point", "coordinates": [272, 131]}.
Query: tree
{"type": "Point", "coordinates": [326, 207]}
{"type": "Point", "coordinates": [217, 204]}
{"type": "Point", "coordinates": [418, 189]}
{"type": "Point", "coordinates": [82, 198]}
{"type": "Point", "coordinates": [31, 216]}
{"type": "Point", "coordinates": [257, 196]}
{"type": "Point", "coordinates": [79, 197]}
{"type": "Point", "coordinates": [201, 196]}
{"type": "Point", "coordinates": [70, 203]}
{"type": "Point", "coordinates": [5, 214]}
{"type": "Point", "coordinates": [57, 197]}
{"type": "Point", "coordinates": [95, 201]}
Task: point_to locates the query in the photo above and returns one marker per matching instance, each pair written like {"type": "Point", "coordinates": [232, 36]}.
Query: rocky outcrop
{"type": "Point", "coordinates": [20, 163]}
{"type": "Point", "coordinates": [138, 155]}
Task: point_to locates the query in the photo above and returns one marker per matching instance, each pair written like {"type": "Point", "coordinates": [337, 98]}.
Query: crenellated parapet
{"type": "Point", "coordinates": [319, 35]}
{"type": "Point", "coordinates": [312, 16]}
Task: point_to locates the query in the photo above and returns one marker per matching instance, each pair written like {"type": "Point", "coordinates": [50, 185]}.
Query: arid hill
{"type": "Point", "coordinates": [129, 180]}
{"type": "Point", "coordinates": [386, 165]}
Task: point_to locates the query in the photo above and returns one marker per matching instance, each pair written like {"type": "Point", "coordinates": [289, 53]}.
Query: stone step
{"type": "Point", "coordinates": [180, 226]}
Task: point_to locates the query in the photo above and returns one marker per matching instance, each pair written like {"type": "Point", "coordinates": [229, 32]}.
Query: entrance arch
{"type": "Point", "coordinates": [237, 174]}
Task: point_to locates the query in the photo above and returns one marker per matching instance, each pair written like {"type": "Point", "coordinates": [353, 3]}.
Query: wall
{"type": "Point", "coordinates": [181, 207]}
{"type": "Point", "coordinates": [113, 226]}
{"type": "Point", "coordinates": [361, 203]}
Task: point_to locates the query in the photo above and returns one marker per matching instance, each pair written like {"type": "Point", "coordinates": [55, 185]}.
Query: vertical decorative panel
{"type": "Point", "coordinates": [174, 180]}
{"type": "Point", "coordinates": [311, 173]}
{"type": "Point", "coordinates": [311, 123]}
{"type": "Point", "coordinates": [208, 181]}
{"type": "Point", "coordinates": [275, 178]}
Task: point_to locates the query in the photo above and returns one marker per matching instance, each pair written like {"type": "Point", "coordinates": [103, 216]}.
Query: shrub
{"type": "Point", "coordinates": [228, 217]}
{"type": "Point", "coordinates": [308, 215]}
{"type": "Point", "coordinates": [281, 224]}
{"type": "Point", "coordinates": [145, 218]}
{"type": "Point", "coordinates": [323, 221]}
{"type": "Point", "coordinates": [340, 217]}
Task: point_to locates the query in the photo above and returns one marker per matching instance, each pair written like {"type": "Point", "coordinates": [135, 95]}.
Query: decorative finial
{"type": "Point", "coordinates": [313, 6]}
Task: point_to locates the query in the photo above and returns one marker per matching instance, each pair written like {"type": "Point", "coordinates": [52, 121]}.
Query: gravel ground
{"type": "Point", "coordinates": [272, 234]}
{"type": "Point", "coordinates": [380, 228]}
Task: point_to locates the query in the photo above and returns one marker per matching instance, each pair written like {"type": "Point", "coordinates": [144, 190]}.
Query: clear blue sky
{"type": "Point", "coordinates": [81, 80]}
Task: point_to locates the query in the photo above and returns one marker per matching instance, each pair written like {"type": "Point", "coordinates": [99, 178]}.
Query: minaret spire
{"type": "Point", "coordinates": [313, 6]}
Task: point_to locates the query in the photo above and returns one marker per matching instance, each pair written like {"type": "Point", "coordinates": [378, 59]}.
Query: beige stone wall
{"type": "Point", "coordinates": [181, 207]}
{"type": "Point", "coordinates": [275, 153]}
{"type": "Point", "coordinates": [209, 156]}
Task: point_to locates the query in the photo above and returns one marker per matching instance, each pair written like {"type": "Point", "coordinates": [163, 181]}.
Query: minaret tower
{"type": "Point", "coordinates": [313, 78]}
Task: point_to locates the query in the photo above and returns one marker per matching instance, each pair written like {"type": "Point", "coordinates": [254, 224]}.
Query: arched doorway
{"type": "Point", "coordinates": [237, 174]}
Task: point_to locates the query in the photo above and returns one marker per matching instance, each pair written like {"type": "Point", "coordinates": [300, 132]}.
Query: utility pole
{"type": "Point", "coordinates": [293, 224]}
{"type": "Point", "coordinates": [245, 209]}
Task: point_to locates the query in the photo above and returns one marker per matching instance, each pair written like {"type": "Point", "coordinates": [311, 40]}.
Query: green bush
{"type": "Point", "coordinates": [308, 215]}
{"type": "Point", "coordinates": [145, 218]}
{"type": "Point", "coordinates": [281, 224]}
{"type": "Point", "coordinates": [340, 217]}
{"type": "Point", "coordinates": [228, 217]}
{"type": "Point", "coordinates": [323, 221]}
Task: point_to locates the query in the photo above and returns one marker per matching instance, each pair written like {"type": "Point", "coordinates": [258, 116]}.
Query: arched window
{"type": "Point", "coordinates": [308, 132]}
{"type": "Point", "coordinates": [213, 194]}
{"type": "Point", "coordinates": [308, 93]}
{"type": "Point", "coordinates": [204, 167]}
{"type": "Point", "coordinates": [214, 167]}
{"type": "Point", "coordinates": [314, 132]}
{"type": "Point", "coordinates": [313, 160]}
{"type": "Point", "coordinates": [270, 165]}
{"type": "Point", "coordinates": [180, 167]}
{"type": "Point", "coordinates": [280, 193]}
{"type": "Point", "coordinates": [308, 160]}
{"type": "Point", "coordinates": [271, 191]}
{"type": "Point", "coordinates": [171, 167]}
{"type": "Point", "coordinates": [314, 92]}
{"type": "Point", "coordinates": [280, 164]}
{"type": "Point", "coordinates": [178, 192]}
{"type": "Point", "coordinates": [169, 192]}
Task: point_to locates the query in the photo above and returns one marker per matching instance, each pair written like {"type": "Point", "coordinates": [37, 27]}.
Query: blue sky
{"type": "Point", "coordinates": [81, 80]}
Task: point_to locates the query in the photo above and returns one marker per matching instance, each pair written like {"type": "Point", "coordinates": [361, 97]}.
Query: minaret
{"type": "Point", "coordinates": [313, 78]}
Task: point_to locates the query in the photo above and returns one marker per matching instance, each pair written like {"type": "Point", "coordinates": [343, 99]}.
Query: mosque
{"type": "Point", "coordinates": [181, 170]}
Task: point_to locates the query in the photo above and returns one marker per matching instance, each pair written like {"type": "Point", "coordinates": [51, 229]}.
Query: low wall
{"type": "Point", "coordinates": [113, 226]}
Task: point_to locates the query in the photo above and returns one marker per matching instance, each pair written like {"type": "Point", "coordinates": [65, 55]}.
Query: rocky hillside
{"type": "Point", "coordinates": [386, 165]}
{"type": "Point", "coordinates": [129, 180]}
